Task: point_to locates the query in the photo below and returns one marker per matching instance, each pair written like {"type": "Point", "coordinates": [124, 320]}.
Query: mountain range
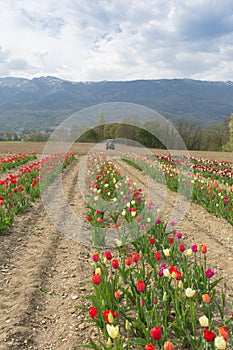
{"type": "Point", "coordinates": [43, 103]}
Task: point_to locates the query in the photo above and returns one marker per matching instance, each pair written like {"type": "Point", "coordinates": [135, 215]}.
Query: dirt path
{"type": "Point", "coordinates": [44, 274]}
{"type": "Point", "coordinates": [44, 277]}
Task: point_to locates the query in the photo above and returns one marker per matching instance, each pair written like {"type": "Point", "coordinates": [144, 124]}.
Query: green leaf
{"type": "Point", "coordinates": [139, 341]}
{"type": "Point", "coordinates": [214, 284]}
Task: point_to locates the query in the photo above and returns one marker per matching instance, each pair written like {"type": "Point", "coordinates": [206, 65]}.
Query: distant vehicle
{"type": "Point", "coordinates": [110, 144]}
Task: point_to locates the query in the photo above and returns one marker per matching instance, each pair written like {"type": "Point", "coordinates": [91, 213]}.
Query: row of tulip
{"type": "Point", "coordinates": [17, 190]}
{"type": "Point", "coordinates": [221, 171]}
{"type": "Point", "coordinates": [12, 161]}
{"type": "Point", "coordinates": [111, 200]}
{"type": "Point", "coordinates": [156, 293]}
{"type": "Point", "coordinates": [213, 196]}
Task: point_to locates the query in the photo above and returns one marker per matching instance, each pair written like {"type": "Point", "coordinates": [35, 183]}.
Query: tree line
{"type": "Point", "coordinates": [215, 137]}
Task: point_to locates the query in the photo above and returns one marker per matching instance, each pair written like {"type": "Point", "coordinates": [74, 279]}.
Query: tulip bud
{"type": "Point", "coordinates": [180, 285]}
{"type": "Point", "coordinates": [127, 325]}
{"type": "Point", "coordinates": [110, 317]}
{"type": "Point", "coordinates": [142, 303]}
{"type": "Point", "coordinates": [109, 343]}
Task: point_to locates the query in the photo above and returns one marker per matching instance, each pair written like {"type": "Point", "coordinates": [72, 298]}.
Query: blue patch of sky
{"type": "Point", "coordinates": [207, 25]}
{"type": "Point", "coordinates": [118, 29]}
{"type": "Point", "coordinates": [50, 24]}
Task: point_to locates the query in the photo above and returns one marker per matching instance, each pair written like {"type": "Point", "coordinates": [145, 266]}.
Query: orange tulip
{"type": "Point", "coordinates": [223, 332]}
{"type": "Point", "coordinates": [168, 345]}
{"type": "Point", "coordinates": [206, 298]}
{"type": "Point", "coordinates": [203, 248]}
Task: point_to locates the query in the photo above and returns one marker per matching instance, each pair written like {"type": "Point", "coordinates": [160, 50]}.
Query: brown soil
{"type": "Point", "coordinates": [45, 274]}
{"type": "Point", "coordinates": [83, 148]}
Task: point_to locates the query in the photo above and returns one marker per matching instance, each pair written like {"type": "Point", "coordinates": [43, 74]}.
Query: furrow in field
{"type": "Point", "coordinates": [43, 273]}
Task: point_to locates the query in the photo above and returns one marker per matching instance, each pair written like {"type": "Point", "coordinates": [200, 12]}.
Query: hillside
{"type": "Point", "coordinates": [42, 103]}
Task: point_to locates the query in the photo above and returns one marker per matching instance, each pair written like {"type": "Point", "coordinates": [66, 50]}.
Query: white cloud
{"type": "Point", "coordinates": [117, 40]}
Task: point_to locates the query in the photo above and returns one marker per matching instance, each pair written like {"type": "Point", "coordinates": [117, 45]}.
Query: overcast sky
{"type": "Point", "coordinates": [93, 40]}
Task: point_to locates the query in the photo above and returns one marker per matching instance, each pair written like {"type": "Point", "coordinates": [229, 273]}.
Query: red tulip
{"type": "Point", "coordinates": [157, 256]}
{"type": "Point", "coordinates": [115, 264]}
{"type": "Point", "coordinates": [95, 257]}
{"type": "Point", "coordinates": [203, 248]}
{"type": "Point", "coordinates": [178, 275]}
{"type": "Point", "coordinates": [182, 248]}
{"type": "Point", "coordinates": [156, 333]}
{"type": "Point", "coordinates": [128, 261]}
{"type": "Point", "coordinates": [173, 269]}
{"type": "Point", "coordinates": [93, 313]}
{"type": "Point", "coordinates": [117, 294]}
{"type": "Point", "coordinates": [96, 279]}
{"type": "Point", "coordinates": [108, 255]}
{"type": "Point", "coordinates": [109, 315]}
{"type": "Point", "coordinates": [141, 286]}
{"type": "Point", "coordinates": [209, 335]}
{"type": "Point", "coordinates": [149, 347]}
{"type": "Point", "coordinates": [135, 257]}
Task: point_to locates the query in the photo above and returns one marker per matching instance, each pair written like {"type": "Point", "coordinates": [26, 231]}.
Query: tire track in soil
{"type": "Point", "coordinates": [35, 257]}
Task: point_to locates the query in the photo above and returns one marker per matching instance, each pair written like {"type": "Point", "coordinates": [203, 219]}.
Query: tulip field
{"type": "Point", "coordinates": [140, 282]}
{"type": "Point", "coordinates": [18, 189]}
{"type": "Point", "coordinates": [158, 293]}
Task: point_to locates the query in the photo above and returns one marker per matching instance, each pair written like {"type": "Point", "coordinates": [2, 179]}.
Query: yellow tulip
{"type": "Point", "coordinates": [190, 292]}
{"type": "Point", "coordinates": [220, 343]}
{"type": "Point", "coordinates": [166, 252]}
{"type": "Point", "coordinates": [113, 331]}
{"type": "Point", "coordinates": [204, 322]}
{"type": "Point", "coordinates": [98, 271]}
{"type": "Point", "coordinates": [180, 285]}
{"type": "Point", "coordinates": [189, 252]}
